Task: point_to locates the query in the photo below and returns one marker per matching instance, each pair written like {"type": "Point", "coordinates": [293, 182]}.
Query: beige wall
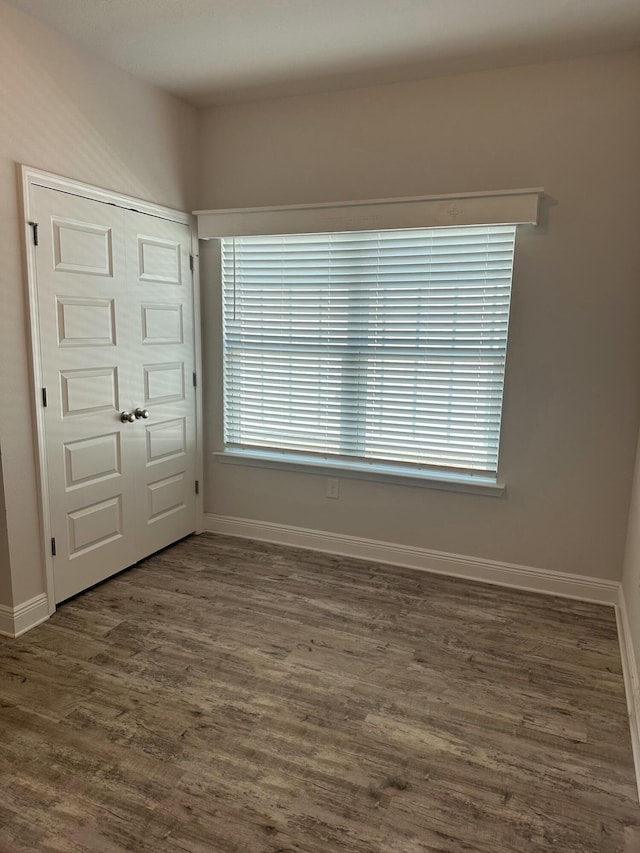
{"type": "Point", "coordinates": [5, 578]}
{"type": "Point", "coordinates": [66, 113]}
{"type": "Point", "coordinates": [631, 573]}
{"type": "Point", "coordinates": [573, 376]}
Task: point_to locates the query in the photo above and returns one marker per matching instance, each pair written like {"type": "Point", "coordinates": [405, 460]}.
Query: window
{"type": "Point", "coordinates": [381, 349]}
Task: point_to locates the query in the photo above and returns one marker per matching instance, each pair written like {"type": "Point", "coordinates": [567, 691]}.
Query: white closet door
{"type": "Point", "coordinates": [162, 352]}
{"type": "Point", "coordinates": [115, 306]}
{"type": "Point", "coordinates": [84, 322]}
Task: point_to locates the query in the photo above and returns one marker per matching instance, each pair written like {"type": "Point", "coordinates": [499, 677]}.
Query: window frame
{"type": "Point", "coordinates": [518, 207]}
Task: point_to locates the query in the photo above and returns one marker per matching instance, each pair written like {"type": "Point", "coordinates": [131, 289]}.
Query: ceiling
{"type": "Point", "coordinates": [221, 51]}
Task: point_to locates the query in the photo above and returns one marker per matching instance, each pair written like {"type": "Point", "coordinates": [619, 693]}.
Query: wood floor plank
{"type": "Point", "coordinates": [233, 697]}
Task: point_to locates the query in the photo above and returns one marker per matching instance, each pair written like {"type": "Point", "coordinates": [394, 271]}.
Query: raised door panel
{"type": "Point", "coordinates": [164, 383]}
{"type": "Point", "coordinates": [84, 317]}
{"type": "Point", "coordinates": [91, 460]}
{"type": "Point", "coordinates": [160, 261]}
{"type": "Point", "coordinates": [82, 246]}
{"type": "Point", "coordinates": [162, 324]}
{"type": "Point", "coordinates": [86, 321]}
{"type": "Point", "coordinates": [89, 390]}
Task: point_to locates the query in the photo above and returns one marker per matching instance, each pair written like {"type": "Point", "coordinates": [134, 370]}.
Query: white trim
{"type": "Point", "coordinates": [197, 322]}
{"type": "Point", "coordinates": [36, 177]}
{"type": "Point", "coordinates": [631, 682]}
{"type": "Point", "coordinates": [527, 578]}
{"type": "Point", "coordinates": [30, 177]}
{"type": "Point", "coordinates": [6, 621]}
{"type": "Point", "coordinates": [15, 621]}
{"type": "Point", "coordinates": [377, 472]}
{"type": "Point", "coordinates": [27, 177]}
{"type": "Point", "coordinates": [514, 207]}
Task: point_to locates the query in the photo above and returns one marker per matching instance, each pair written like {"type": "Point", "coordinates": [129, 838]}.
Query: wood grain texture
{"type": "Point", "coordinates": [242, 697]}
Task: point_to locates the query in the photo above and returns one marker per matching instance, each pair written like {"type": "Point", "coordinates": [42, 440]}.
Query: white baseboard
{"type": "Point", "coordinates": [631, 682]}
{"type": "Point", "coordinates": [437, 562]}
{"type": "Point", "coordinates": [14, 621]}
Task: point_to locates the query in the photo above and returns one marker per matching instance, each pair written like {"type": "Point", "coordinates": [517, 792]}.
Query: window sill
{"type": "Point", "coordinates": [381, 473]}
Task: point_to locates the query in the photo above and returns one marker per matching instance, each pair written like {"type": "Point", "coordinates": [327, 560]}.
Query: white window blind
{"type": "Point", "coordinates": [378, 347]}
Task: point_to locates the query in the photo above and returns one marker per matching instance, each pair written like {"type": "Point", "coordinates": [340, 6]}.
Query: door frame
{"type": "Point", "coordinates": [30, 177]}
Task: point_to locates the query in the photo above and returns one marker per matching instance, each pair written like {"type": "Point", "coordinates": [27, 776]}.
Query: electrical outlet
{"type": "Point", "coordinates": [333, 487]}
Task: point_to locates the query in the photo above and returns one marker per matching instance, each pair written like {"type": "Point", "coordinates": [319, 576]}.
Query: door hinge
{"type": "Point", "coordinates": [34, 228]}
{"type": "Point", "coordinates": [53, 546]}
{"type": "Point", "coordinates": [191, 263]}
{"type": "Point", "coordinates": [197, 487]}
{"type": "Point", "coordinates": [44, 397]}
{"type": "Point", "coordinates": [195, 380]}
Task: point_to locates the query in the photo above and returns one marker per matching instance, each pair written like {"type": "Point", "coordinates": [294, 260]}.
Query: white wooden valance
{"type": "Point", "coordinates": [505, 207]}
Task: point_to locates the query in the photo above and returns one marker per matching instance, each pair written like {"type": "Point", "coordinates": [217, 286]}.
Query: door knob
{"type": "Point", "coordinates": [127, 417]}
{"type": "Point", "coordinates": [141, 413]}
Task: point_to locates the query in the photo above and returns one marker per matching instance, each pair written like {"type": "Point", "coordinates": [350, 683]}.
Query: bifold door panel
{"type": "Point", "coordinates": [115, 307]}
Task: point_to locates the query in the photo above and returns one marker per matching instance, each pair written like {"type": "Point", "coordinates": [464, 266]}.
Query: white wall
{"type": "Point", "coordinates": [573, 376]}
{"type": "Point", "coordinates": [64, 112]}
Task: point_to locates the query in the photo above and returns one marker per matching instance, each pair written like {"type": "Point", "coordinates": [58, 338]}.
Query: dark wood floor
{"type": "Point", "coordinates": [246, 698]}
